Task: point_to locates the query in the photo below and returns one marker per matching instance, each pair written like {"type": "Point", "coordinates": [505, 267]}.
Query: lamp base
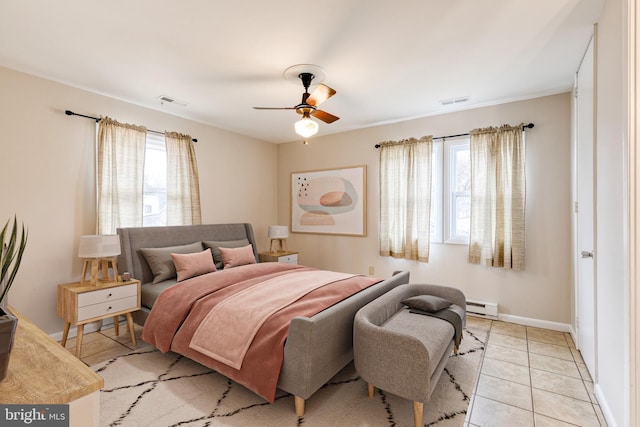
{"type": "Point", "coordinates": [94, 265]}
{"type": "Point", "coordinates": [281, 245]}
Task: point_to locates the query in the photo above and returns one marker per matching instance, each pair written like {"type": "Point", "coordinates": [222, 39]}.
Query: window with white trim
{"type": "Point", "coordinates": [451, 191]}
{"type": "Point", "coordinates": [436, 193]}
{"type": "Point", "coordinates": [155, 182]}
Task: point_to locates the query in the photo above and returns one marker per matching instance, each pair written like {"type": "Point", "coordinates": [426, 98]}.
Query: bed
{"type": "Point", "coordinates": [316, 347]}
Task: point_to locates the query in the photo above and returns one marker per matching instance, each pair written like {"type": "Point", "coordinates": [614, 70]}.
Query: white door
{"type": "Point", "coordinates": [585, 264]}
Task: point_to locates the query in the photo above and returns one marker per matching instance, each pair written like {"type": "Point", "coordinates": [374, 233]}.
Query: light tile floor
{"type": "Point", "coordinates": [529, 376]}
{"type": "Point", "coordinates": [532, 377]}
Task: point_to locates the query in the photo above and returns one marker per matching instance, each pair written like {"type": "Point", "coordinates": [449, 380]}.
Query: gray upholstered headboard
{"type": "Point", "coordinates": [134, 238]}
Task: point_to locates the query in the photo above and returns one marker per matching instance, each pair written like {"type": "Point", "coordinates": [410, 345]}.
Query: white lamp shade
{"type": "Point", "coordinates": [278, 231]}
{"type": "Point", "coordinates": [306, 127]}
{"type": "Point", "coordinates": [99, 246]}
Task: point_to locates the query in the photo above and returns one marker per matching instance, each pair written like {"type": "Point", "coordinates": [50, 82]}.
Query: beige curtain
{"type": "Point", "coordinates": [497, 197]}
{"type": "Point", "coordinates": [405, 198]}
{"type": "Point", "coordinates": [121, 149]}
{"type": "Point", "coordinates": [183, 188]}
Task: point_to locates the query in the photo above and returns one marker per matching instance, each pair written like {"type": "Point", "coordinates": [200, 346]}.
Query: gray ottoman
{"type": "Point", "coordinates": [402, 352]}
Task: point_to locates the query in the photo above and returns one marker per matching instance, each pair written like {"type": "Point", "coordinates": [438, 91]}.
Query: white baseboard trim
{"type": "Point", "coordinates": [528, 321]}
{"type": "Point", "coordinates": [89, 327]}
{"type": "Point", "coordinates": [604, 406]}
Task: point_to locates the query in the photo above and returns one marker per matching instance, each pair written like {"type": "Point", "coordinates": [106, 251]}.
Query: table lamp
{"type": "Point", "coordinates": [99, 251]}
{"type": "Point", "coordinates": [279, 234]}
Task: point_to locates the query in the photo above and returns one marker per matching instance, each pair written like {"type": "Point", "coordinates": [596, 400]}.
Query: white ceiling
{"type": "Point", "coordinates": [388, 60]}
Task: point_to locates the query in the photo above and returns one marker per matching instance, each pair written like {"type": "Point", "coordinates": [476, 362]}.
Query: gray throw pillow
{"type": "Point", "coordinates": [217, 256]}
{"type": "Point", "coordinates": [428, 303]}
{"type": "Point", "coordinates": [161, 263]}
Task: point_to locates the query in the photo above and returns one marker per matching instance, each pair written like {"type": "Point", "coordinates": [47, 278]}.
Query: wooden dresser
{"type": "Point", "coordinates": [41, 371]}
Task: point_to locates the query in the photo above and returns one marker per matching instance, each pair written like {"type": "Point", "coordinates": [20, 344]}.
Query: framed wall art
{"type": "Point", "coordinates": [330, 201]}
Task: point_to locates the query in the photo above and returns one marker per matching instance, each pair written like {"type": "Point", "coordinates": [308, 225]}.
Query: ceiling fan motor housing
{"type": "Point", "coordinates": [305, 108]}
{"type": "Point", "coordinates": [308, 105]}
{"type": "Point", "coordinates": [306, 80]}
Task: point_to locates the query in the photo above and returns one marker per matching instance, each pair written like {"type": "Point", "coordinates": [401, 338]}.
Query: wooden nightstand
{"type": "Point", "coordinates": [287, 257]}
{"type": "Point", "coordinates": [81, 303]}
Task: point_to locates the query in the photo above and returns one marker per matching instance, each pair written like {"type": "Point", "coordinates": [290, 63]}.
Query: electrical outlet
{"type": "Point", "coordinates": [372, 271]}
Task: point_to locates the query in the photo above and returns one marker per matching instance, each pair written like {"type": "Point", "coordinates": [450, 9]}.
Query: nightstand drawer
{"type": "Point", "coordinates": [286, 257]}
{"type": "Point", "coordinates": [106, 295]}
{"type": "Point", "coordinates": [106, 308]}
{"type": "Point", "coordinates": [289, 259]}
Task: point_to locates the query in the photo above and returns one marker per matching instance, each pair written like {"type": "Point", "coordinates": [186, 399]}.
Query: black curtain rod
{"type": "Point", "coordinates": [529, 126]}
{"type": "Point", "coordinates": [97, 119]}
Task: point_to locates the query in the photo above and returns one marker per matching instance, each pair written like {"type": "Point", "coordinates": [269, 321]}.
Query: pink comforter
{"type": "Point", "coordinates": [178, 311]}
{"type": "Point", "coordinates": [236, 320]}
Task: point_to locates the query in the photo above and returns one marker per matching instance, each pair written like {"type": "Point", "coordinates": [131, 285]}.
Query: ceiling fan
{"type": "Point", "coordinates": [308, 106]}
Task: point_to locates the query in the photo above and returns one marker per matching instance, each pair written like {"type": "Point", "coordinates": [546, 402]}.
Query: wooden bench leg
{"type": "Point", "coordinates": [370, 390]}
{"type": "Point", "coordinates": [418, 408]}
{"type": "Point", "coordinates": [299, 403]}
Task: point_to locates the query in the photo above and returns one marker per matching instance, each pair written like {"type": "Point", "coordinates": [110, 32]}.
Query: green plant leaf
{"type": "Point", "coordinates": [11, 254]}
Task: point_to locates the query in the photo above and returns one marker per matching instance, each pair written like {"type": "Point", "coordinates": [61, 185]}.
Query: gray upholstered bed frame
{"type": "Point", "coordinates": [316, 348]}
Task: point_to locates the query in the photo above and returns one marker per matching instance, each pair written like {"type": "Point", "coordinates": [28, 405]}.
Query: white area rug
{"type": "Point", "coordinates": [148, 388]}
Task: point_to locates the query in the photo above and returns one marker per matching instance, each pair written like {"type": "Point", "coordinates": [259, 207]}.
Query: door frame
{"type": "Point", "coordinates": [633, 164]}
{"type": "Point", "coordinates": [576, 249]}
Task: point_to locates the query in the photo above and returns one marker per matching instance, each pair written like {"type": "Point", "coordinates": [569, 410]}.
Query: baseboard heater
{"type": "Point", "coordinates": [482, 308]}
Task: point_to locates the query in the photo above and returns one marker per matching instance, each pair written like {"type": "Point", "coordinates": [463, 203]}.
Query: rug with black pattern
{"type": "Point", "coordinates": [149, 388]}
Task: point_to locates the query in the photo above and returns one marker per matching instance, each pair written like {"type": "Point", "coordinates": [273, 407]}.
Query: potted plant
{"type": "Point", "coordinates": [11, 250]}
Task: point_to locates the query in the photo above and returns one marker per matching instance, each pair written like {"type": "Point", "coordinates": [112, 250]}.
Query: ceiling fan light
{"type": "Point", "coordinates": [306, 127]}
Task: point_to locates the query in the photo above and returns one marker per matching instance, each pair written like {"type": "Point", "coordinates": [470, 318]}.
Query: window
{"type": "Point", "coordinates": [405, 177]}
{"type": "Point", "coordinates": [435, 223]}
{"type": "Point", "coordinates": [155, 182]}
{"type": "Point", "coordinates": [405, 168]}
{"type": "Point", "coordinates": [451, 192]}
{"type": "Point", "coordinates": [498, 199]}
{"type": "Point", "coordinates": [144, 179]}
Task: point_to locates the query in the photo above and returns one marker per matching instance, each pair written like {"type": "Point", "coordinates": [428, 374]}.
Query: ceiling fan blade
{"type": "Point", "coordinates": [324, 116]}
{"type": "Point", "coordinates": [320, 94]}
{"type": "Point", "coordinates": [274, 108]}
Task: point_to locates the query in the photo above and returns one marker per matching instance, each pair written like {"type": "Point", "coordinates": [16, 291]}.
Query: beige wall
{"type": "Point", "coordinates": [543, 291]}
{"type": "Point", "coordinates": [47, 179]}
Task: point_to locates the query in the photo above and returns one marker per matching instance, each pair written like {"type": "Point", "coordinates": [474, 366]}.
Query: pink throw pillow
{"type": "Point", "coordinates": [195, 264]}
{"type": "Point", "coordinates": [234, 257]}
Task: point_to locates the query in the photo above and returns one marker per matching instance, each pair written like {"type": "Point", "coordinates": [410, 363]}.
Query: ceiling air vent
{"type": "Point", "coordinates": [169, 100]}
{"type": "Point", "coordinates": [454, 101]}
